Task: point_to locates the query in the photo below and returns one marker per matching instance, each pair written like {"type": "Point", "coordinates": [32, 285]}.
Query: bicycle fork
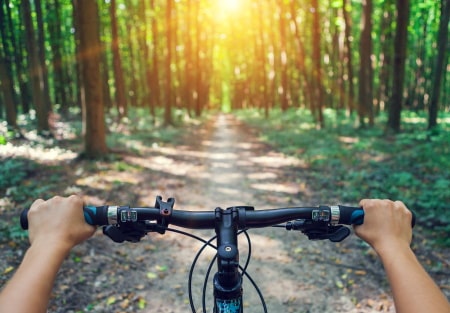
{"type": "Point", "coordinates": [228, 280]}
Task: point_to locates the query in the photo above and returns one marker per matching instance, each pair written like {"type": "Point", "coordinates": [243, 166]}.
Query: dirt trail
{"type": "Point", "coordinates": [219, 164]}
{"type": "Point", "coordinates": [223, 164]}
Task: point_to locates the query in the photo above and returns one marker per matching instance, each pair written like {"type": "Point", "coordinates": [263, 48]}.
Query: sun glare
{"type": "Point", "coordinates": [228, 5]}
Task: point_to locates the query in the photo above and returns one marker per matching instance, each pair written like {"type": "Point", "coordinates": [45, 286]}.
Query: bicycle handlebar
{"type": "Point", "coordinates": [123, 223]}
{"type": "Point", "coordinates": [248, 217]}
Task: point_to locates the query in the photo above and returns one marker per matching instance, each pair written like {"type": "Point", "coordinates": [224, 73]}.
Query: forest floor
{"type": "Point", "coordinates": [218, 163]}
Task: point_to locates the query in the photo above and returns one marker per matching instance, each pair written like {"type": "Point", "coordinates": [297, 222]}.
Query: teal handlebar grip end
{"type": "Point", "coordinates": [90, 213]}
{"type": "Point", "coordinates": [357, 217]}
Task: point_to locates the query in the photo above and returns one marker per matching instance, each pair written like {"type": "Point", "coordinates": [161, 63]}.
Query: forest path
{"type": "Point", "coordinates": [219, 163]}
{"type": "Point", "coordinates": [223, 164]}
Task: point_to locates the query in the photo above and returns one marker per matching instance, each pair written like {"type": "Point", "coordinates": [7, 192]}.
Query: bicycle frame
{"type": "Point", "coordinates": [228, 280]}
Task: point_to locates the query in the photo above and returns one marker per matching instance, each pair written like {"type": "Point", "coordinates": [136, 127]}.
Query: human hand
{"type": "Point", "coordinates": [58, 222]}
{"type": "Point", "coordinates": [387, 225]}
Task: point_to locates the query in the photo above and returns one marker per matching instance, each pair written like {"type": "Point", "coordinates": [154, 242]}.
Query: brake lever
{"type": "Point", "coordinates": [334, 233]}
{"type": "Point", "coordinates": [319, 230]}
{"type": "Point", "coordinates": [125, 233]}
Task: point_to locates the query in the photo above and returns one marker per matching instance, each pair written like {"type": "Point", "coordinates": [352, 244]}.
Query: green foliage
{"type": "Point", "coordinates": [140, 130]}
{"type": "Point", "coordinates": [12, 172]}
{"type": "Point", "coordinates": [18, 181]}
{"type": "Point", "coordinates": [11, 231]}
{"type": "Point", "coordinates": [349, 164]}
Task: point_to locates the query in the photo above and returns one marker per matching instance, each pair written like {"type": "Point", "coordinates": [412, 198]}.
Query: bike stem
{"type": "Point", "coordinates": [228, 280]}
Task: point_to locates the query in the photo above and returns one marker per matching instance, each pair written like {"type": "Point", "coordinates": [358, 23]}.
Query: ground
{"type": "Point", "coordinates": [220, 163]}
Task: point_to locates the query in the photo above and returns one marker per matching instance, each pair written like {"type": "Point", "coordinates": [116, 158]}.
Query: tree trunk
{"type": "Point", "coordinates": [365, 69]}
{"type": "Point", "coordinates": [7, 92]}
{"type": "Point", "coordinates": [117, 63]}
{"type": "Point", "coordinates": [440, 63]}
{"type": "Point", "coordinates": [283, 89]}
{"type": "Point", "coordinates": [155, 90]}
{"type": "Point", "coordinates": [56, 41]}
{"type": "Point", "coordinates": [348, 59]}
{"type": "Point", "coordinates": [35, 69]}
{"type": "Point", "coordinates": [168, 86]}
{"type": "Point", "coordinates": [198, 63]}
{"type": "Point", "coordinates": [42, 59]}
{"type": "Point", "coordinates": [9, 52]}
{"type": "Point", "coordinates": [317, 66]}
{"type": "Point", "coordinates": [146, 56]}
{"type": "Point", "coordinates": [189, 68]}
{"type": "Point", "coordinates": [395, 103]}
{"type": "Point", "coordinates": [300, 58]}
{"type": "Point", "coordinates": [385, 57]}
{"type": "Point", "coordinates": [90, 57]}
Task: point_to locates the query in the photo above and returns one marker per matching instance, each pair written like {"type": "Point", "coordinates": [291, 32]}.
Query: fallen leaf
{"type": "Point", "coordinates": [151, 275]}
{"type": "Point", "coordinates": [124, 304]}
{"type": "Point", "coordinates": [111, 300]}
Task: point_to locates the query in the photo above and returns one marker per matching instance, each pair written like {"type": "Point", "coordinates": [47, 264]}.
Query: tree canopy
{"type": "Point", "coordinates": [364, 57]}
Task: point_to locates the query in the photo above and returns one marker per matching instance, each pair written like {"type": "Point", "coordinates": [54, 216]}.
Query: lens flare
{"type": "Point", "coordinates": [228, 5]}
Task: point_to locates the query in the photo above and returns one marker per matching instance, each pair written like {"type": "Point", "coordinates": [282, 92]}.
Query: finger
{"type": "Point", "coordinates": [36, 203]}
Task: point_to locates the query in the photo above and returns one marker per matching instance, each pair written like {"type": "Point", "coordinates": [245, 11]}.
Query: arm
{"type": "Point", "coordinates": [55, 227]}
{"type": "Point", "coordinates": [387, 228]}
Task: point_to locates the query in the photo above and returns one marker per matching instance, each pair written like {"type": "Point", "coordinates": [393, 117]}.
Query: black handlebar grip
{"type": "Point", "coordinates": [24, 219]}
{"type": "Point", "coordinates": [349, 215]}
{"type": "Point", "coordinates": [96, 216]}
{"type": "Point", "coordinates": [355, 215]}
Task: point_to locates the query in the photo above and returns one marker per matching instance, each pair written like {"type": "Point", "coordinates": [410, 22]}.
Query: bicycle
{"type": "Point", "coordinates": [124, 223]}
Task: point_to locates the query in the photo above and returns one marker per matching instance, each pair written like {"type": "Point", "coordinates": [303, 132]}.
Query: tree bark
{"type": "Point", "coordinates": [35, 69]}
{"type": "Point", "coordinates": [348, 57]}
{"type": "Point", "coordinates": [317, 67]}
{"type": "Point", "coordinates": [365, 104]}
{"type": "Point", "coordinates": [90, 58]}
{"type": "Point", "coordinates": [8, 93]}
{"type": "Point", "coordinates": [117, 63]}
{"type": "Point", "coordinates": [440, 63]}
{"type": "Point", "coordinates": [396, 101]}
{"type": "Point", "coordinates": [168, 86]}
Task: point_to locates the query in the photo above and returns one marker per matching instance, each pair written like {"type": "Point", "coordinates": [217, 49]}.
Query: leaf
{"type": "Point", "coordinates": [161, 268]}
{"type": "Point", "coordinates": [141, 303]}
{"type": "Point", "coordinates": [125, 303]}
{"type": "Point", "coordinates": [151, 275]}
{"type": "Point", "coordinates": [111, 300]}
{"type": "Point", "coordinates": [8, 269]}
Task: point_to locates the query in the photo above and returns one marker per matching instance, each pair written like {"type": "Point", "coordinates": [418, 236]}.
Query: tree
{"type": "Point", "coordinates": [168, 63]}
{"type": "Point", "coordinates": [318, 96]}
{"type": "Point", "coordinates": [36, 71]}
{"type": "Point", "coordinates": [365, 108]}
{"type": "Point", "coordinates": [6, 77]}
{"type": "Point", "coordinates": [283, 89]}
{"type": "Point", "coordinates": [117, 63]}
{"type": "Point", "coordinates": [440, 63]}
{"type": "Point", "coordinates": [56, 44]}
{"type": "Point", "coordinates": [348, 59]}
{"type": "Point", "coordinates": [395, 103]}
{"type": "Point", "coordinates": [90, 57]}
{"type": "Point", "coordinates": [7, 92]}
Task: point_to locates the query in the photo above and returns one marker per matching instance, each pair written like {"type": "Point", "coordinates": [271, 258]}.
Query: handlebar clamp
{"type": "Point", "coordinates": [165, 211]}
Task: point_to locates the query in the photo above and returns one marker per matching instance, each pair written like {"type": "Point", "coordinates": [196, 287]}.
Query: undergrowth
{"type": "Point", "coordinates": [348, 163]}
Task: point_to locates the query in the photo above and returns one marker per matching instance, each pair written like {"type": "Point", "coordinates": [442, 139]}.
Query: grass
{"type": "Point", "coordinates": [345, 163]}
{"type": "Point", "coordinates": [348, 163]}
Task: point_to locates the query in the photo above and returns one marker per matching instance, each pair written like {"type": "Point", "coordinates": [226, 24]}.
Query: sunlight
{"type": "Point", "coordinates": [228, 5]}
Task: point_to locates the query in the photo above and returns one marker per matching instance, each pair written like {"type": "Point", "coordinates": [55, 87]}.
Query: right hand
{"type": "Point", "coordinates": [387, 225]}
